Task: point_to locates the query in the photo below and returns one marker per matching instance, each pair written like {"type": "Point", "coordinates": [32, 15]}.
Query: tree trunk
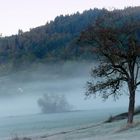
{"type": "Point", "coordinates": [131, 105]}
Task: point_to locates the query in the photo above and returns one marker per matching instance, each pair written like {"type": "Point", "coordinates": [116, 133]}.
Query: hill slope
{"type": "Point", "coordinates": [55, 41]}
{"type": "Point", "coordinates": [49, 42]}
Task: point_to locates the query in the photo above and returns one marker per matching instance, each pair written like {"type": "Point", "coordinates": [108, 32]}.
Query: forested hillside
{"type": "Point", "coordinates": [52, 42]}
{"type": "Point", "coordinates": [57, 40]}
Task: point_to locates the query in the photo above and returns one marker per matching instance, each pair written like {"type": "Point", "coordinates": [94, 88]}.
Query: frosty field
{"type": "Point", "coordinates": [64, 126]}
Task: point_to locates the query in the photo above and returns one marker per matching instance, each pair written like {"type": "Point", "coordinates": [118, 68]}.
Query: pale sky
{"type": "Point", "coordinates": [26, 14]}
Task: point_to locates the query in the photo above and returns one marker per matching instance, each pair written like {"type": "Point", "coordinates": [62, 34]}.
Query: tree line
{"type": "Point", "coordinates": [54, 41]}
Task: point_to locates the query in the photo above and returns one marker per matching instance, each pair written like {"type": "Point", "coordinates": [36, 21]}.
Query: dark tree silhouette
{"type": "Point", "coordinates": [118, 46]}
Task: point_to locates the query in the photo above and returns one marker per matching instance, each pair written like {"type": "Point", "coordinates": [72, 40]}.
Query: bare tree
{"type": "Point", "coordinates": [117, 41]}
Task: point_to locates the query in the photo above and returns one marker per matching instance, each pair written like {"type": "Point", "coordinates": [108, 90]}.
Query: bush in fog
{"type": "Point", "coordinates": [53, 103]}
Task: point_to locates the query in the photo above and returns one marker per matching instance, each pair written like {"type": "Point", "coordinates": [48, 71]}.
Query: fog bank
{"type": "Point", "coordinates": [20, 91]}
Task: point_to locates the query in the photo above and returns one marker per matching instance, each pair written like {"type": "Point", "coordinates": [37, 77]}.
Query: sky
{"type": "Point", "coordinates": [26, 14]}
